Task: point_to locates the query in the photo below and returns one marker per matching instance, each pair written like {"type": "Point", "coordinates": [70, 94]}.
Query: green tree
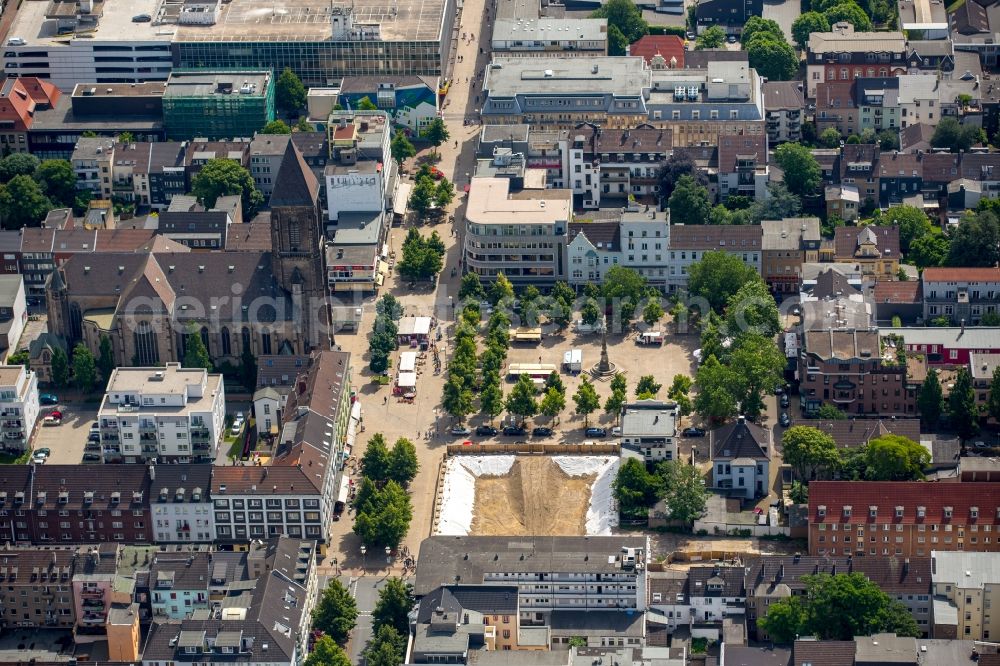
{"type": "Point", "coordinates": [929, 250]}
{"type": "Point", "coordinates": [303, 125]}
{"type": "Point", "coordinates": [759, 27]}
{"type": "Point", "coordinates": [84, 368]}
{"type": "Point", "coordinates": [556, 382]}
{"type": "Point", "coordinates": [60, 368]}
{"type": "Point", "coordinates": [617, 42]}
{"type": "Point", "coordinates": [975, 242]}
{"type": "Point", "coordinates": [773, 57]}
{"type": "Point", "coordinates": [501, 291]}
{"type": "Point", "coordinates": [444, 193]}
{"type": "Point", "coordinates": [753, 309]}
{"type": "Point", "coordinates": [647, 387]}
{"type": "Point", "coordinates": [457, 399]}
{"type": "Point", "coordinates": [422, 196]}
{"type": "Point", "coordinates": [403, 463]}
{"type": "Point", "coordinates": [716, 398]}
{"type": "Point", "coordinates": [17, 164]}
{"type": "Point", "coordinates": [759, 366]}
{"type": "Point", "coordinates": [491, 401]}
{"type": "Point", "coordinates": [713, 38]}
{"type": "Point", "coordinates": [195, 354]}
{"type": "Point", "coordinates": [962, 408]}
{"type": "Point", "coordinates": [375, 461]}
{"type": "Point", "coordinates": [383, 517]}
{"type": "Point", "coordinates": [626, 17]}
{"type": "Point", "coordinates": [276, 127]}
{"type": "Point", "coordinates": [895, 458]}
{"type": "Point", "coordinates": [679, 392]}
{"type": "Point", "coordinates": [619, 383]}
{"type": "Point", "coordinates": [521, 400]}
{"type": "Point", "coordinates": [105, 358]}
{"type": "Point", "coordinates": [800, 168]}
{"type": "Point", "coordinates": [653, 312]}
{"type": "Point", "coordinates": [689, 203]}
{"type": "Point", "coordinates": [683, 490]}
{"type": "Point", "coordinates": [553, 402]}
{"type": "Point", "coordinates": [810, 451]}
{"type": "Point", "coordinates": [289, 93]}
{"type": "Point", "coordinates": [930, 399]}
{"type": "Point", "coordinates": [22, 202]}
{"type": "Point", "coordinates": [387, 648]}
{"type": "Point", "coordinates": [590, 313]}
{"type": "Point", "coordinates": [993, 402]}
{"type": "Point", "coordinates": [913, 223]}
{"type": "Point", "coordinates": [954, 136]}
{"type": "Point", "coordinates": [634, 488]}
{"type": "Point", "coordinates": [615, 402]}
{"type": "Point", "coordinates": [780, 204]}
{"type": "Point", "coordinates": [586, 399]}
{"type": "Point", "coordinates": [365, 104]}
{"type": "Point", "coordinates": [806, 24]}
{"type": "Point", "coordinates": [389, 306]}
{"type": "Point", "coordinates": [58, 180]}
{"type": "Point", "coordinates": [335, 613]}
{"type": "Point", "coordinates": [888, 140]}
{"type": "Point", "coordinates": [471, 287]}
{"type": "Point", "coordinates": [395, 601]}
{"type": "Point", "coordinates": [850, 12]}
{"type": "Point", "coordinates": [327, 653]}
{"type": "Point", "coordinates": [717, 276]}
{"type": "Point", "coordinates": [843, 606]}
{"type": "Point", "coordinates": [830, 137]}
{"type": "Point", "coordinates": [436, 132]}
{"type": "Point", "coordinates": [224, 177]}
{"type": "Point", "coordinates": [784, 621]}
{"type": "Point", "coordinates": [670, 171]}
{"type": "Point", "coordinates": [422, 259]}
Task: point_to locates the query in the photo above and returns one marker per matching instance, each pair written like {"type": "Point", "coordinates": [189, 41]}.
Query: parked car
{"type": "Point", "coordinates": [142, 18]}
{"type": "Point", "coordinates": [460, 431]}
{"type": "Point", "coordinates": [56, 413]}
{"type": "Point", "coordinates": [693, 432]}
{"type": "Point", "coordinates": [91, 457]}
{"type": "Point", "coordinates": [95, 427]}
{"type": "Point", "coordinates": [486, 431]}
{"type": "Point", "coordinates": [238, 422]}
{"type": "Point", "coordinates": [44, 452]}
{"type": "Point", "coordinates": [616, 432]}
{"type": "Point", "coordinates": [731, 39]}
{"type": "Point", "coordinates": [48, 399]}
{"type": "Point", "coordinates": [39, 460]}
{"type": "Point", "coordinates": [514, 431]}
{"type": "Point", "coordinates": [51, 420]}
{"type": "Point", "coordinates": [94, 437]}
{"type": "Point", "coordinates": [541, 431]}
{"type": "Point", "coordinates": [784, 420]}
{"type": "Point", "coordinates": [784, 400]}
{"type": "Point", "coordinates": [596, 432]}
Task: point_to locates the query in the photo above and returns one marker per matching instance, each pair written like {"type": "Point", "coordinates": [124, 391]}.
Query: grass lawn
{"type": "Point", "coordinates": [11, 459]}
{"type": "Point", "coordinates": [235, 446]}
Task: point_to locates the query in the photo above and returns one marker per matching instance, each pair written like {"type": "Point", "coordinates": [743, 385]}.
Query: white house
{"type": "Point", "coordinates": [18, 406]}
{"type": "Point", "coordinates": [162, 414]}
{"type": "Point", "coordinates": [688, 244]}
{"type": "Point", "coordinates": [13, 311]}
{"type": "Point", "coordinates": [181, 504]}
{"type": "Point", "coordinates": [649, 430]}
{"type": "Point", "coordinates": [741, 458]}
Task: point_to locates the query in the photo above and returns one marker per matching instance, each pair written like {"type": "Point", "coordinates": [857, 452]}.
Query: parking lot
{"type": "Point", "coordinates": [66, 440]}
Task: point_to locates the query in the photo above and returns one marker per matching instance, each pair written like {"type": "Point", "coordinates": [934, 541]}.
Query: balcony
{"type": "Point", "coordinates": [149, 449]}
{"type": "Point", "coordinates": [147, 427]}
{"type": "Point", "coordinates": [109, 436]}
{"type": "Point", "coordinates": [92, 593]}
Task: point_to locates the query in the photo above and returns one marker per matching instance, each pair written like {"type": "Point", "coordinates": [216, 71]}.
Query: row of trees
{"type": "Point", "coordinates": [636, 488]}
{"type": "Point", "coordinates": [430, 195]}
{"type": "Point", "coordinates": [336, 614]}
{"type": "Point", "coordinates": [383, 510]}
{"type": "Point", "coordinates": [383, 340]}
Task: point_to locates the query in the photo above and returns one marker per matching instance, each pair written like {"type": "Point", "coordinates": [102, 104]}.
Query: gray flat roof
{"type": "Point", "coordinates": [966, 570]}
{"type": "Point", "coordinates": [619, 75]}
{"type": "Point", "coordinates": [358, 228]}
{"type": "Point", "coordinates": [206, 84]}
{"type": "Point", "coordinates": [114, 25]}
{"type": "Point", "coordinates": [550, 29]}
{"type": "Point", "coordinates": [9, 286]}
{"type": "Point", "coordinates": [310, 21]}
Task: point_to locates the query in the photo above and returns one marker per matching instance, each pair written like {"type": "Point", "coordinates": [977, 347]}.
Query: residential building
{"type": "Point", "coordinates": [853, 370]}
{"type": "Point", "coordinates": [452, 620]}
{"type": "Point", "coordinates": [592, 574]}
{"type": "Point", "coordinates": [743, 166]}
{"type": "Point", "coordinates": [844, 55]}
{"type": "Point", "coordinates": [706, 594]}
{"type": "Point", "coordinates": [843, 202]}
{"type": "Point", "coordinates": [879, 100]}
{"type": "Point", "coordinates": [593, 248]}
{"type": "Point", "coordinates": [20, 99]}
{"type": "Point", "coordinates": [123, 632]}
{"type": "Point", "coordinates": [836, 106]}
{"type": "Point", "coordinates": [874, 249]}
{"type": "Point", "coordinates": [960, 294]}
{"type": "Point", "coordinates": [179, 583]}
{"type": "Point", "coordinates": [100, 581]}
{"type": "Point", "coordinates": [168, 414]}
{"type": "Point", "coordinates": [36, 590]}
{"type": "Point", "coordinates": [919, 100]}
{"type": "Point", "coordinates": [217, 105]}
{"type": "Point", "coordinates": [784, 104]}
{"type": "Point", "coordinates": [901, 518]}
{"type": "Point", "coordinates": [741, 458]}
{"type": "Point", "coordinates": [900, 177]}
{"type": "Point", "coordinates": [859, 167]}
{"type": "Point", "coordinates": [276, 376]}
{"type": "Point", "coordinates": [660, 51]}
{"type": "Point", "coordinates": [92, 161]}
{"type": "Point", "coordinates": [785, 245]}
{"type": "Point", "coordinates": [192, 224]}
{"type": "Point", "coordinates": [411, 101]}
{"type": "Point", "coordinates": [180, 506]}
{"type": "Point", "coordinates": [893, 298]}
{"type": "Point", "coordinates": [729, 14]}
{"type": "Point", "coordinates": [525, 36]}
{"type": "Point", "coordinates": [612, 167]}
{"type": "Point", "coordinates": [18, 407]}
{"type": "Point", "coordinates": [533, 224]}
{"type": "Point", "coordinates": [649, 430]}
{"type": "Point", "coordinates": [947, 345]}
{"type": "Point", "coordinates": [964, 584]}
{"type": "Point", "coordinates": [888, 648]}
{"type": "Point", "coordinates": [264, 502]}
{"type": "Point", "coordinates": [982, 367]}
{"type": "Point", "coordinates": [13, 311]}
{"type": "Point", "coordinates": [689, 243]}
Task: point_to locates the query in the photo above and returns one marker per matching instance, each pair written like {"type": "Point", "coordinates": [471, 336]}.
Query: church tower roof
{"type": "Point", "coordinates": [295, 184]}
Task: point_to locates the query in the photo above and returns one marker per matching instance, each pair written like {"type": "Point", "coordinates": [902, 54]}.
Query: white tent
{"type": "Point", "coordinates": [406, 380]}
{"type": "Point", "coordinates": [408, 361]}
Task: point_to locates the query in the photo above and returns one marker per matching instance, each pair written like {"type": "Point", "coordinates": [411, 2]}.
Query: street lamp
{"type": "Point", "coordinates": [388, 555]}
{"type": "Point", "coordinates": [364, 560]}
{"type": "Point", "coordinates": [694, 454]}
{"type": "Point", "coordinates": [336, 566]}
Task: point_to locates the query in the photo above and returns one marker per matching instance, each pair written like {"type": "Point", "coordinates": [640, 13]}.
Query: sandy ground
{"type": "Point", "coordinates": [536, 498]}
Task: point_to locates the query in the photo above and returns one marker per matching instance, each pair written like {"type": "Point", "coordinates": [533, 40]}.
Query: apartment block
{"type": "Point", "coordinates": [785, 245]}
{"type": "Point", "coordinates": [20, 99]}
{"type": "Point", "coordinates": [18, 406]}
{"type": "Point", "coordinates": [961, 294]}
{"type": "Point", "coordinates": [92, 162]}
{"type": "Point", "coordinates": [101, 581]}
{"type": "Point", "coordinates": [264, 502]}
{"type": "Point", "coordinates": [965, 585]}
{"type": "Point", "coordinates": [845, 55]}
{"type": "Point", "coordinates": [784, 103]}
{"type": "Point", "coordinates": [743, 169]}
{"type": "Point", "coordinates": [902, 518]}
{"type": "Point", "coordinates": [180, 507]}
{"type": "Point", "coordinates": [217, 105]}
{"type": "Point", "coordinates": [952, 345]}
{"type": "Point", "coordinates": [162, 414]}
{"type": "Point", "coordinates": [35, 589]}
{"type": "Point", "coordinates": [741, 459]}
{"type": "Point", "coordinates": [689, 243]}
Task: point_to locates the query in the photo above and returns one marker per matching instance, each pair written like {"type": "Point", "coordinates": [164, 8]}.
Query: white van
{"type": "Point", "coordinates": [16, 41]}
{"type": "Point", "coordinates": [650, 338]}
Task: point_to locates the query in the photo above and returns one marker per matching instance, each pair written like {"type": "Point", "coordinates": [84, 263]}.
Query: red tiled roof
{"type": "Point", "coordinates": [887, 495]}
{"type": "Point", "coordinates": [894, 291]}
{"type": "Point", "coordinates": [19, 98]}
{"type": "Point", "coordinates": [845, 240]}
{"type": "Point", "coordinates": [668, 46]}
{"type": "Point", "coordinates": [961, 275]}
{"type": "Point", "coordinates": [732, 147]}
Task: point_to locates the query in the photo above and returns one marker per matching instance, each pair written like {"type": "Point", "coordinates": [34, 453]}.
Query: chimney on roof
{"type": "Point", "coordinates": [962, 323]}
